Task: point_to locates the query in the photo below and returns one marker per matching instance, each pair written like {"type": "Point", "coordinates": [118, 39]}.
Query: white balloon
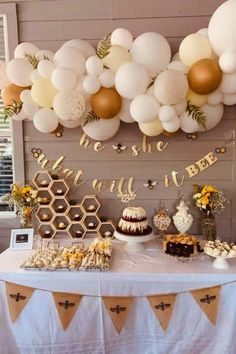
{"type": "Point", "coordinates": [34, 76]}
{"type": "Point", "coordinates": [131, 80]}
{"type": "Point", "coordinates": [179, 66]}
{"type": "Point", "coordinates": [30, 108]}
{"type": "Point", "coordinates": [167, 114]}
{"type": "Point", "coordinates": [222, 28]}
{"type": "Point", "coordinates": [25, 48]}
{"type": "Point", "coordinates": [103, 129]}
{"type": "Point", "coordinates": [213, 115]}
{"type": "Point", "coordinates": [45, 68]}
{"type": "Point", "coordinates": [25, 95]}
{"type": "Point", "coordinates": [188, 124]}
{"type": "Point", "coordinates": [215, 98]}
{"type": "Point", "coordinates": [124, 113]}
{"type": "Point", "coordinates": [18, 71]}
{"type": "Point", "coordinates": [171, 87]}
{"type": "Point", "coordinates": [69, 105]}
{"type": "Point", "coordinates": [79, 89]}
{"type": "Point", "coordinates": [151, 50]}
{"type": "Point", "coordinates": [229, 100]}
{"type": "Point", "coordinates": [107, 78]}
{"type": "Point", "coordinates": [71, 58]}
{"type": "Point", "coordinates": [91, 85]}
{"type": "Point", "coordinates": [64, 79]}
{"type": "Point", "coordinates": [172, 126]}
{"type": "Point", "coordinates": [45, 54]}
{"type": "Point", "coordinates": [227, 62]}
{"type": "Point", "coordinates": [203, 32]}
{"type": "Point", "coordinates": [94, 66]}
{"type": "Point", "coordinates": [180, 108]}
{"type": "Point", "coordinates": [144, 108]}
{"type": "Point", "coordinates": [122, 37]}
{"type": "Point", "coordinates": [228, 84]}
{"type": "Point", "coordinates": [70, 123]}
{"type": "Point", "coordinates": [45, 120]}
{"type": "Point", "coordinates": [84, 47]}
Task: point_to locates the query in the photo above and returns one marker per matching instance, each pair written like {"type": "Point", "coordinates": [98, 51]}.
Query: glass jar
{"type": "Point", "coordinates": [209, 230]}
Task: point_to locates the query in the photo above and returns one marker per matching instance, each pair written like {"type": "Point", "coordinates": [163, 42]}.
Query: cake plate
{"type": "Point", "coordinates": [220, 262]}
{"type": "Point", "coordinates": [134, 243]}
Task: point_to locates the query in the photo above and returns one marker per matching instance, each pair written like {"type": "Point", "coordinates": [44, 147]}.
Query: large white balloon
{"type": "Point", "coordinates": [172, 126]}
{"type": "Point", "coordinates": [122, 37]}
{"type": "Point", "coordinates": [215, 98]}
{"type": "Point", "coordinates": [131, 80]}
{"type": "Point", "coordinates": [179, 66]}
{"type": "Point", "coordinates": [69, 105]}
{"type": "Point", "coordinates": [188, 124]}
{"type": "Point", "coordinates": [167, 114]}
{"type": "Point", "coordinates": [94, 66]}
{"type": "Point", "coordinates": [227, 62]}
{"type": "Point", "coordinates": [45, 120]}
{"type": "Point", "coordinates": [228, 84]}
{"type": "Point", "coordinates": [18, 71]}
{"type": "Point", "coordinates": [222, 28]}
{"type": "Point", "coordinates": [144, 108]}
{"type": "Point", "coordinates": [84, 47]}
{"type": "Point", "coordinates": [107, 78]}
{"type": "Point", "coordinates": [45, 68]}
{"type": "Point", "coordinates": [71, 58]}
{"type": "Point", "coordinates": [151, 50]}
{"type": "Point", "coordinates": [25, 48]}
{"type": "Point", "coordinates": [171, 87]}
{"type": "Point", "coordinates": [213, 115]}
{"type": "Point", "coordinates": [103, 129]}
{"type": "Point", "coordinates": [124, 113]}
{"type": "Point", "coordinates": [91, 85]}
{"type": "Point", "coordinates": [229, 100]}
{"type": "Point", "coordinates": [180, 108]}
{"type": "Point", "coordinates": [64, 79]}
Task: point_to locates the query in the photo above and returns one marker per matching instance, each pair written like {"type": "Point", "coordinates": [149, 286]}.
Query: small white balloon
{"type": "Point", "coordinates": [229, 100]}
{"type": "Point", "coordinates": [34, 76]}
{"type": "Point", "coordinates": [45, 120]}
{"type": "Point", "coordinates": [69, 105]}
{"type": "Point", "coordinates": [84, 47]}
{"type": "Point", "coordinates": [64, 79]}
{"type": "Point", "coordinates": [30, 108]}
{"type": "Point", "coordinates": [179, 66]}
{"type": "Point", "coordinates": [45, 68]}
{"type": "Point", "coordinates": [122, 37]}
{"type": "Point", "coordinates": [94, 66]}
{"type": "Point", "coordinates": [173, 126]}
{"type": "Point", "coordinates": [228, 84]}
{"type": "Point", "coordinates": [25, 95]}
{"type": "Point", "coordinates": [45, 54]}
{"type": "Point", "coordinates": [25, 48]}
{"type": "Point", "coordinates": [124, 113]}
{"type": "Point", "coordinates": [107, 78]}
{"type": "Point", "coordinates": [215, 98]}
{"type": "Point", "coordinates": [227, 62]}
{"type": "Point", "coordinates": [19, 71]}
{"type": "Point", "coordinates": [188, 124]}
{"type": "Point", "coordinates": [103, 129]}
{"type": "Point", "coordinates": [180, 108]}
{"type": "Point", "coordinates": [167, 114]}
{"type": "Point", "coordinates": [79, 89]}
{"type": "Point", "coordinates": [71, 58]}
{"type": "Point", "coordinates": [91, 85]}
{"type": "Point", "coordinates": [144, 108]}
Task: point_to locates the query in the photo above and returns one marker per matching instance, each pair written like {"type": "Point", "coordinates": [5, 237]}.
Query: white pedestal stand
{"type": "Point", "coordinates": [133, 243]}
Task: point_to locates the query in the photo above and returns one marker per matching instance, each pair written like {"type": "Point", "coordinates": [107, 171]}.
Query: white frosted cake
{"type": "Point", "coordinates": [134, 222]}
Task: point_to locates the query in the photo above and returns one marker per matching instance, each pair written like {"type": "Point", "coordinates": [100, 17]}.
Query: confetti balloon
{"type": "Point", "coordinates": [69, 105]}
{"type": "Point", "coordinates": [106, 103]}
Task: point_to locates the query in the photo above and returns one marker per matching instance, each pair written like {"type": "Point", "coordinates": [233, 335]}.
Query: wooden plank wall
{"type": "Point", "coordinates": [49, 23]}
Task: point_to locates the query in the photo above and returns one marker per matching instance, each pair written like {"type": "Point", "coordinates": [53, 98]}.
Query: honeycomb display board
{"type": "Point", "coordinates": [57, 216]}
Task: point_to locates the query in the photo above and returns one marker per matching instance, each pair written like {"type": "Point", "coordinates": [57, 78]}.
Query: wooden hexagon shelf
{"type": "Point", "coordinates": [42, 180]}
{"type": "Point", "coordinates": [91, 204]}
{"type": "Point", "coordinates": [107, 229]}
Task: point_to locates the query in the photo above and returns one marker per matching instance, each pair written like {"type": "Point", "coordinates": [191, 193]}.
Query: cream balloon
{"type": "Point", "coordinates": [144, 108]}
{"type": "Point", "coordinates": [19, 71]}
{"type": "Point", "coordinates": [153, 128]}
{"type": "Point", "coordinates": [116, 57]}
{"type": "Point", "coordinates": [103, 129]}
{"type": "Point", "coordinates": [196, 99]}
{"type": "Point", "coordinates": [170, 87]}
{"type": "Point", "coordinates": [25, 95]}
{"type": "Point", "coordinates": [45, 68]}
{"type": "Point", "coordinates": [151, 50]}
{"type": "Point", "coordinates": [45, 54]}
{"type": "Point", "coordinates": [229, 100]}
{"type": "Point", "coordinates": [213, 116]}
{"type": "Point", "coordinates": [172, 126]}
{"type": "Point", "coordinates": [43, 93]}
{"type": "Point", "coordinates": [45, 120]}
{"type": "Point", "coordinates": [107, 78]}
{"type": "Point", "coordinates": [124, 113]}
{"type": "Point", "coordinates": [83, 46]}
{"type": "Point", "coordinates": [215, 98]}
{"type": "Point", "coordinates": [34, 76]}
{"type": "Point", "coordinates": [68, 105]}
{"type": "Point", "coordinates": [193, 48]}
{"type": "Point", "coordinates": [122, 37]}
{"type": "Point", "coordinates": [64, 79]}
{"type": "Point", "coordinates": [228, 84]}
{"type": "Point", "coordinates": [131, 80]}
{"type": "Point", "coordinates": [180, 108]}
{"type": "Point", "coordinates": [167, 114]}
{"type": "Point", "coordinates": [222, 28]}
{"type": "Point", "coordinates": [91, 85]}
{"type": "Point", "coordinates": [188, 124]}
{"type": "Point", "coordinates": [25, 48]}
{"type": "Point", "coordinates": [227, 62]}
{"type": "Point", "coordinates": [179, 66]}
{"type": "Point", "coordinates": [71, 58]}
{"type": "Point", "coordinates": [94, 66]}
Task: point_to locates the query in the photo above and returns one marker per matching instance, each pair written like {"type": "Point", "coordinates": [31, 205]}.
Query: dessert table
{"type": "Point", "coordinates": [38, 330]}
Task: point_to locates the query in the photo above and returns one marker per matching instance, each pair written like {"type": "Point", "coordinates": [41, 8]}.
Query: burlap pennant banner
{"type": "Point", "coordinates": [162, 306]}
{"type": "Point", "coordinates": [208, 300]}
{"type": "Point", "coordinates": [118, 308]}
{"type": "Point", "coordinates": [17, 297]}
{"type": "Point", "coordinates": [66, 305]}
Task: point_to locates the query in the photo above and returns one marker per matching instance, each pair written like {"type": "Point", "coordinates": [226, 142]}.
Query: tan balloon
{"type": "Point", "coordinates": [12, 93]}
{"type": "Point", "coordinates": [116, 57]}
{"type": "Point", "coordinates": [106, 103]}
{"type": "Point", "coordinates": [205, 76]}
{"type": "Point", "coordinates": [196, 99]}
{"type": "Point", "coordinates": [152, 128]}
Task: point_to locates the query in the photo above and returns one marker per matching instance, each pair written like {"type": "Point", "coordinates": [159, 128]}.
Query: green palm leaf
{"type": "Point", "coordinates": [13, 109]}
{"type": "Point", "coordinates": [104, 46]}
{"type": "Point", "coordinates": [32, 59]}
{"type": "Point", "coordinates": [90, 118]}
{"type": "Point", "coordinates": [197, 114]}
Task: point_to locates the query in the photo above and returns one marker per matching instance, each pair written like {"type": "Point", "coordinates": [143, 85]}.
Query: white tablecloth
{"type": "Point", "coordinates": [38, 330]}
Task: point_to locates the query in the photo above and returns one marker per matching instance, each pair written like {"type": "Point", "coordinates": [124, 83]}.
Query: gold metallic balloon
{"type": "Point", "coordinates": [12, 93]}
{"type": "Point", "coordinates": [106, 103]}
{"type": "Point", "coordinates": [205, 76]}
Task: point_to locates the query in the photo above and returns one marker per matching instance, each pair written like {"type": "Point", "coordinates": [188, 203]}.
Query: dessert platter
{"type": "Point", "coordinates": [51, 257]}
{"type": "Point", "coordinates": [221, 251]}
{"type": "Point", "coordinates": [183, 247]}
{"type": "Point", "coordinates": [133, 229]}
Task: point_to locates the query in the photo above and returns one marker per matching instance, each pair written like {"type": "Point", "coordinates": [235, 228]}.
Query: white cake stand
{"type": "Point", "coordinates": [133, 243]}
{"type": "Point", "coordinates": [220, 262]}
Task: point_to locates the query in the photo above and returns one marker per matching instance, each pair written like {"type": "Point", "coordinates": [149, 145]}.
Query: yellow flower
{"type": "Point", "coordinates": [27, 211]}
{"type": "Point", "coordinates": [204, 200]}
{"type": "Point", "coordinates": [26, 189]}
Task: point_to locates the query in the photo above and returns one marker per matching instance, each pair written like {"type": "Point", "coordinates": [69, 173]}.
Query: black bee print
{"type": "Point", "coordinates": [208, 299]}
{"type": "Point", "coordinates": [150, 184]}
{"type": "Point", "coordinates": [118, 309]}
{"type": "Point", "coordinates": [66, 304]}
{"type": "Point", "coordinates": [162, 306]}
{"type": "Point", "coordinates": [119, 148]}
{"type": "Point", "coordinates": [17, 297]}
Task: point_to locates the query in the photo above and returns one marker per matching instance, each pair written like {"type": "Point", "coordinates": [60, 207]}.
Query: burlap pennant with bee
{"type": "Point", "coordinates": [208, 300]}
{"type": "Point", "coordinates": [17, 297]}
{"type": "Point", "coordinates": [66, 305]}
{"type": "Point", "coordinates": [118, 308]}
{"type": "Point", "coordinates": [162, 306]}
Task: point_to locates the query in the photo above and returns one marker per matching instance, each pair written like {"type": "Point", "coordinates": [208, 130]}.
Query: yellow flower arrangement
{"type": "Point", "coordinates": [209, 199]}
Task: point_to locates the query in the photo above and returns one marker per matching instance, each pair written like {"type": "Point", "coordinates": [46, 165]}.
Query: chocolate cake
{"type": "Point", "coordinates": [181, 245]}
{"type": "Point", "coordinates": [134, 222]}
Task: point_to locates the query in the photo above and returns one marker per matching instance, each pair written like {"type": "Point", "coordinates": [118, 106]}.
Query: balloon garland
{"type": "Point", "coordinates": [126, 79]}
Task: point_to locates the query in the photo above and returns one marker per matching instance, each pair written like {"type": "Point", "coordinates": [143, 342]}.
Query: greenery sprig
{"type": "Point", "coordinates": [13, 109]}
{"type": "Point", "coordinates": [197, 114]}
{"type": "Point", "coordinates": [90, 118]}
{"type": "Point", "coordinates": [104, 46]}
